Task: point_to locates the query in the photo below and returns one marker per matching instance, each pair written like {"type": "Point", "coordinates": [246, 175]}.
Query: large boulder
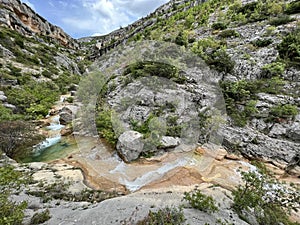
{"type": "Point", "coordinates": [169, 142]}
{"type": "Point", "coordinates": [130, 145]}
{"type": "Point", "coordinates": [65, 116]}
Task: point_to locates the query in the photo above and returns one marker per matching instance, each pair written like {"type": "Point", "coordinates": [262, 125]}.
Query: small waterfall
{"type": "Point", "coordinates": [54, 135]}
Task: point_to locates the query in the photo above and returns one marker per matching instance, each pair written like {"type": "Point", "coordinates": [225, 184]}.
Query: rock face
{"type": "Point", "coordinates": [18, 16]}
{"type": "Point", "coordinates": [130, 145]}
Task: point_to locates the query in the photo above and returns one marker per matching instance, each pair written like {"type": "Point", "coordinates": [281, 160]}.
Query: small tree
{"type": "Point", "coordinates": [16, 138]}
{"type": "Point", "coordinates": [266, 198]}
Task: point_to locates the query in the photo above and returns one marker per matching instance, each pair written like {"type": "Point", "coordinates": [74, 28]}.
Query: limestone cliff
{"type": "Point", "coordinates": [20, 17]}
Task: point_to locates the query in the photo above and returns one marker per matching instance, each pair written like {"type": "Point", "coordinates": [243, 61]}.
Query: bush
{"type": "Point", "coordinates": [166, 215]}
{"type": "Point", "coordinates": [182, 39]}
{"type": "Point", "coordinates": [293, 7]}
{"type": "Point", "coordinates": [289, 48]}
{"type": "Point", "coordinates": [221, 61]}
{"type": "Point", "coordinates": [229, 33]}
{"type": "Point", "coordinates": [262, 42]}
{"type": "Point", "coordinates": [219, 26]}
{"type": "Point", "coordinates": [273, 69]}
{"type": "Point", "coordinates": [200, 201]}
{"type": "Point", "coordinates": [283, 19]}
{"type": "Point", "coordinates": [284, 111]}
{"type": "Point", "coordinates": [41, 217]}
{"type": "Point", "coordinates": [266, 199]}
{"type": "Point", "coordinates": [105, 126]}
{"type": "Point", "coordinates": [159, 69]}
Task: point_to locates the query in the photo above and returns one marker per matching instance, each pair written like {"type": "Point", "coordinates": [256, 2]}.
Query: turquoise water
{"type": "Point", "coordinates": [61, 149]}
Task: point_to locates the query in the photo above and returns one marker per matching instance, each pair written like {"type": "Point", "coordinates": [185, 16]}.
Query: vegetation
{"type": "Point", "coordinates": [284, 111]}
{"type": "Point", "coordinates": [262, 42]}
{"type": "Point", "coordinates": [265, 198]}
{"type": "Point", "coordinates": [289, 48]}
{"type": "Point", "coordinates": [293, 7]}
{"type": "Point", "coordinates": [280, 20]}
{"type": "Point", "coordinates": [229, 33]}
{"type": "Point", "coordinates": [159, 69]}
{"type": "Point", "coordinates": [11, 213]}
{"type": "Point", "coordinates": [166, 215]}
{"type": "Point", "coordinates": [39, 218]}
{"type": "Point", "coordinates": [17, 138]}
{"type": "Point", "coordinates": [200, 201]}
{"type": "Point", "coordinates": [273, 69]}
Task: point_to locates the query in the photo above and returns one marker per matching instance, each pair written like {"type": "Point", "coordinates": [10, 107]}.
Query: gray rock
{"type": "Point", "coordinates": [3, 98]}
{"type": "Point", "coordinates": [10, 106]}
{"type": "Point", "coordinates": [294, 132]}
{"type": "Point", "coordinates": [65, 118]}
{"type": "Point", "coordinates": [130, 145]}
{"type": "Point", "coordinates": [169, 142]}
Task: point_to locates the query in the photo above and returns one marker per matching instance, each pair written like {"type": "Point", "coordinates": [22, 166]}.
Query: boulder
{"type": "Point", "coordinates": [130, 145]}
{"type": "Point", "coordinates": [65, 118]}
{"type": "Point", "coordinates": [294, 132]}
{"type": "Point", "coordinates": [169, 142]}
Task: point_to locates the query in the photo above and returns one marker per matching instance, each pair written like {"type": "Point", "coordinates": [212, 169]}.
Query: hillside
{"type": "Point", "coordinates": [199, 98]}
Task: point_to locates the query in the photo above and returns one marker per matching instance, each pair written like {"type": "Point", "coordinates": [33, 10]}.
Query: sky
{"type": "Point", "coordinates": [82, 18]}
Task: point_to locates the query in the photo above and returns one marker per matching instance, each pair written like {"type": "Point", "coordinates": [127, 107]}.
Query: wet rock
{"type": "Point", "coordinates": [130, 145]}
{"type": "Point", "coordinates": [169, 142]}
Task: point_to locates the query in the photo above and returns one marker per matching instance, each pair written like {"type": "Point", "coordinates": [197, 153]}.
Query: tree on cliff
{"type": "Point", "coordinates": [16, 138]}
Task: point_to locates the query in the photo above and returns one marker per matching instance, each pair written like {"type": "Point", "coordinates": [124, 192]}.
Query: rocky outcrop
{"type": "Point", "coordinates": [20, 17]}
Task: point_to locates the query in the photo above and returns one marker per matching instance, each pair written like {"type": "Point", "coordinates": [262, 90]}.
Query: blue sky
{"type": "Point", "coordinates": [81, 18]}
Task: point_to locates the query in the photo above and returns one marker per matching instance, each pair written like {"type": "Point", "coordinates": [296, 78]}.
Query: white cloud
{"type": "Point", "coordinates": [29, 4]}
{"type": "Point", "coordinates": [104, 16]}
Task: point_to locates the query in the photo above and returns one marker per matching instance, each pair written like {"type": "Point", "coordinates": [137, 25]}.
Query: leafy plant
{"type": "Point", "coordinates": [105, 126]}
{"type": "Point", "coordinates": [265, 198]}
{"type": "Point", "coordinates": [219, 26]}
{"type": "Point", "coordinates": [284, 111]}
{"type": "Point", "coordinates": [280, 20]}
{"type": "Point", "coordinates": [229, 33]}
{"type": "Point", "coordinates": [293, 7]}
{"type": "Point", "coordinates": [262, 42]}
{"type": "Point", "coordinates": [39, 218]}
{"type": "Point", "coordinates": [273, 69]}
{"type": "Point", "coordinates": [200, 201]}
{"type": "Point", "coordinates": [289, 48]}
{"type": "Point", "coordinates": [166, 215]}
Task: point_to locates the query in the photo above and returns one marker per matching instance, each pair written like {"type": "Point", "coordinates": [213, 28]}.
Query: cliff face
{"type": "Point", "coordinates": [18, 16]}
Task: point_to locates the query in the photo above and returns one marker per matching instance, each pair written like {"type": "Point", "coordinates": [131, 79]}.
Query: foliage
{"type": "Point", "coordinates": [219, 26]}
{"type": "Point", "coordinates": [262, 42]}
{"type": "Point", "coordinates": [33, 99]}
{"type": "Point", "coordinates": [280, 20]}
{"type": "Point", "coordinates": [293, 7]}
{"type": "Point", "coordinates": [229, 33]}
{"type": "Point", "coordinates": [200, 201]}
{"type": "Point", "coordinates": [17, 138]}
{"type": "Point", "coordinates": [243, 93]}
{"type": "Point", "coordinates": [7, 114]}
{"type": "Point", "coordinates": [105, 126]}
{"type": "Point", "coordinates": [265, 198]}
{"type": "Point", "coordinates": [273, 69]}
{"type": "Point", "coordinates": [159, 69]}
{"type": "Point", "coordinates": [284, 111]}
{"type": "Point", "coordinates": [166, 216]}
{"type": "Point", "coordinates": [11, 213]}
{"type": "Point", "coordinates": [289, 48]}
{"type": "Point", "coordinates": [39, 218]}
{"type": "Point", "coordinates": [182, 39]}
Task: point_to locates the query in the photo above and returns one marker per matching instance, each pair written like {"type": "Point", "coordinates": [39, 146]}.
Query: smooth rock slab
{"type": "Point", "coordinates": [130, 145]}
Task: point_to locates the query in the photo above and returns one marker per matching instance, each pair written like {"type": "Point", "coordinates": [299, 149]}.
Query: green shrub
{"type": "Point", "coordinates": [265, 198]}
{"type": "Point", "coordinates": [159, 69]}
{"type": "Point", "coordinates": [284, 111]}
{"type": "Point", "coordinates": [200, 201]}
{"type": "Point", "coordinates": [229, 33]}
{"type": "Point", "coordinates": [289, 48]}
{"type": "Point", "coordinates": [39, 218]}
{"type": "Point", "coordinates": [105, 126]}
{"type": "Point", "coordinates": [182, 39]}
{"type": "Point", "coordinates": [166, 216]}
{"type": "Point", "coordinates": [262, 42]}
{"type": "Point", "coordinates": [219, 26]}
{"type": "Point", "coordinates": [221, 61]}
{"type": "Point", "coordinates": [293, 7]}
{"type": "Point", "coordinates": [280, 20]}
{"type": "Point", "coordinates": [273, 69]}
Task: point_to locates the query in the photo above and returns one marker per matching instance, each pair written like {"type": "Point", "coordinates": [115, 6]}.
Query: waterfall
{"type": "Point", "coordinates": [54, 135]}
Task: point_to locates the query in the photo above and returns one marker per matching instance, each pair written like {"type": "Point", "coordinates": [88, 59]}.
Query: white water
{"type": "Point", "coordinates": [54, 135]}
{"type": "Point", "coordinates": [148, 177]}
